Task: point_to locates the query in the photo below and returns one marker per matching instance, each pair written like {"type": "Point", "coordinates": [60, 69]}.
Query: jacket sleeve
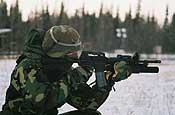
{"type": "Point", "coordinates": [82, 96]}
{"type": "Point", "coordinates": [35, 95]}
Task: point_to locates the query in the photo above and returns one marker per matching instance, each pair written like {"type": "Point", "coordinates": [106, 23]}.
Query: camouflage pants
{"type": "Point", "coordinates": [67, 113]}
{"type": "Point", "coordinates": [6, 112]}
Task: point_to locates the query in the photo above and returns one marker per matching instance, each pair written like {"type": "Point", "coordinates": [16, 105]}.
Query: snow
{"type": "Point", "coordinates": [141, 94]}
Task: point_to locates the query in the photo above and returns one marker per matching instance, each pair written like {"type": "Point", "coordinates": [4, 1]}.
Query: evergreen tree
{"type": "Point", "coordinates": [84, 26]}
{"type": "Point", "coordinates": [35, 21]}
{"type": "Point", "coordinates": [138, 10]}
{"type": "Point", "coordinates": [170, 47]}
{"type": "Point", "coordinates": [97, 33]}
{"type": "Point", "coordinates": [165, 42]}
{"type": "Point", "coordinates": [105, 36]}
{"type": "Point", "coordinates": [128, 24]}
{"type": "Point", "coordinates": [17, 30]}
{"type": "Point", "coordinates": [92, 28]}
{"type": "Point", "coordinates": [100, 35]}
{"type": "Point", "coordinates": [110, 38]}
{"type": "Point", "coordinates": [4, 19]}
{"type": "Point", "coordinates": [140, 35]}
{"type": "Point", "coordinates": [45, 19]}
{"type": "Point", "coordinates": [4, 23]}
{"type": "Point", "coordinates": [151, 34]}
{"type": "Point", "coordinates": [128, 17]}
{"type": "Point", "coordinates": [148, 19]}
{"type": "Point", "coordinates": [75, 21]}
{"type": "Point", "coordinates": [116, 24]}
{"type": "Point", "coordinates": [63, 17]}
{"type": "Point", "coordinates": [165, 25]}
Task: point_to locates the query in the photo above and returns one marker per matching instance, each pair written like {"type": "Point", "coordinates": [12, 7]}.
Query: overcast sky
{"type": "Point", "coordinates": [156, 7]}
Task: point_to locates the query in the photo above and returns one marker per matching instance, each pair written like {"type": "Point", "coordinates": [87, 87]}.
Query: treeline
{"type": "Point", "coordinates": [98, 33]}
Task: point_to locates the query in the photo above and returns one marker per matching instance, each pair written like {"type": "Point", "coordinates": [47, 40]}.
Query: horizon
{"type": "Point", "coordinates": [148, 7]}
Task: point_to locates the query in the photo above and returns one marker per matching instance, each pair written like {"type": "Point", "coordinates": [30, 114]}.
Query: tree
{"type": "Point", "coordinates": [97, 32]}
{"type": "Point", "coordinates": [4, 23]}
{"type": "Point", "coordinates": [116, 24]}
{"type": "Point", "coordinates": [63, 17]}
{"type": "Point", "coordinates": [151, 34]}
{"type": "Point", "coordinates": [100, 35]}
{"type": "Point", "coordinates": [165, 25]}
{"type": "Point", "coordinates": [166, 40]}
{"type": "Point", "coordinates": [4, 19]}
{"type": "Point", "coordinates": [75, 21]}
{"type": "Point", "coordinates": [105, 34]}
{"type": "Point", "coordinates": [18, 31]}
{"type": "Point", "coordinates": [170, 37]}
{"type": "Point", "coordinates": [128, 24]}
{"type": "Point", "coordinates": [45, 19]}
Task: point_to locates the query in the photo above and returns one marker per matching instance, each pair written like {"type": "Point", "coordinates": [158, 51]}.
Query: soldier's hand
{"type": "Point", "coordinates": [120, 71]}
{"type": "Point", "coordinates": [88, 69]}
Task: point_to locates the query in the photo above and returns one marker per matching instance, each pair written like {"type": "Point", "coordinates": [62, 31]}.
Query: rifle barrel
{"type": "Point", "coordinates": [140, 69]}
{"type": "Point", "coordinates": [150, 61]}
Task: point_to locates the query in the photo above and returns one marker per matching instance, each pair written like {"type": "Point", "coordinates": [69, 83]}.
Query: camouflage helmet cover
{"type": "Point", "coordinates": [60, 40]}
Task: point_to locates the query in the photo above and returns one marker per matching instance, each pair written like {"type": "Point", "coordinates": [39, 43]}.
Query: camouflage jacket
{"type": "Point", "coordinates": [30, 92]}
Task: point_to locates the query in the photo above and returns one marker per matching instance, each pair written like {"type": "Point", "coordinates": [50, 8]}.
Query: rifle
{"type": "Point", "coordinates": [98, 60]}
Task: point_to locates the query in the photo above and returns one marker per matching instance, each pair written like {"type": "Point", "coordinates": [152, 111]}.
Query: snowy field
{"type": "Point", "coordinates": [141, 94]}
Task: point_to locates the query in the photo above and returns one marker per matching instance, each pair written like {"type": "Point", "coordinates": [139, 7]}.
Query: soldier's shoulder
{"type": "Point", "coordinates": [28, 64]}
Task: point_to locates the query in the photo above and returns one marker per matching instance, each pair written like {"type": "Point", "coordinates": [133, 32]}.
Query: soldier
{"type": "Point", "coordinates": [44, 79]}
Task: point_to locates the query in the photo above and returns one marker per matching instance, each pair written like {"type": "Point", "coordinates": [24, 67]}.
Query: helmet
{"type": "Point", "coordinates": [61, 40]}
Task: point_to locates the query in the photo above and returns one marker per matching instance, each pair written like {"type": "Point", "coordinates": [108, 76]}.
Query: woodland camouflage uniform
{"type": "Point", "coordinates": [43, 79]}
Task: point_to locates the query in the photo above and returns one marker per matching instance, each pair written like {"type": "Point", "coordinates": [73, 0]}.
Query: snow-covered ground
{"type": "Point", "coordinates": [141, 94]}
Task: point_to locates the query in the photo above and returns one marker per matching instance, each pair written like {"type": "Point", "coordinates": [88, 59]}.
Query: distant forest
{"type": "Point", "coordinates": [98, 32]}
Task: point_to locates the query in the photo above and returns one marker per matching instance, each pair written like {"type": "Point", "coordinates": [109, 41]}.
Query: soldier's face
{"type": "Point", "coordinates": [74, 54]}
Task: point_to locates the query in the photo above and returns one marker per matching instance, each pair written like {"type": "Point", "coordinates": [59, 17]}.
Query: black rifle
{"type": "Point", "coordinates": [98, 60]}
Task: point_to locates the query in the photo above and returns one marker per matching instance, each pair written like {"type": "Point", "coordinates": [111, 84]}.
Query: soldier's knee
{"type": "Point", "coordinates": [6, 113]}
